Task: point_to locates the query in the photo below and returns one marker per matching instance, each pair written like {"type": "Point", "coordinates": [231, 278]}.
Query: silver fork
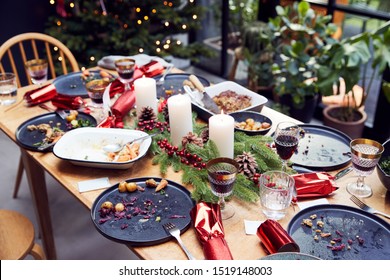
{"type": "Point", "coordinates": [61, 113]}
{"type": "Point", "coordinates": [367, 208]}
{"type": "Point", "coordinates": [175, 232]}
{"type": "Point", "coordinates": [162, 79]}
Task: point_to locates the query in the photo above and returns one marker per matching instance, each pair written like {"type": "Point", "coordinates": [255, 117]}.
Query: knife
{"type": "Point", "coordinates": [343, 172]}
{"type": "Point", "coordinates": [208, 102]}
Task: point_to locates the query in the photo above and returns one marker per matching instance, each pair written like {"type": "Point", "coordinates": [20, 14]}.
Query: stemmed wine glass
{"type": "Point", "coordinates": [286, 138]}
{"type": "Point", "coordinates": [222, 174]}
{"type": "Point", "coordinates": [95, 90]}
{"type": "Point", "coordinates": [125, 69]}
{"type": "Point", "coordinates": [365, 155]}
{"type": "Point", "coordinates": [37, 69]}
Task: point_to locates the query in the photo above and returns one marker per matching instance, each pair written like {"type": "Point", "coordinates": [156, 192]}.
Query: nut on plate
{"type": "Point", "coordinates": [122, 186]}
{"type": "Point", "coordinates": [107, 205]}
{"type": "Point", "coordinates": [131, 187]}
{"type": "Point", "coordinates": [119, 207]}
{"type": "Point", "coordinates": [151, 183]}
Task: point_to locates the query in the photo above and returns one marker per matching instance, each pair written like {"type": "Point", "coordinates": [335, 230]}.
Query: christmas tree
{"type": "Point", "coordinates": [93, 29]}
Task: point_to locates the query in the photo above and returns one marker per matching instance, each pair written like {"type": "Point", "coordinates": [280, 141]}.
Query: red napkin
{"type": "Point", "coordinates": [310, 185]}
{"type": "Point", "coordinates": [40, 95]}
{"type": "Point", "coordinates": [207, 220]}
{"type": "Point", "coordinates": [275, 239]}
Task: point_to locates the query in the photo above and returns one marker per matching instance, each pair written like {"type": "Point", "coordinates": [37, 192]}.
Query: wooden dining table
{"type": "Point", "coordinates": [242, 246]}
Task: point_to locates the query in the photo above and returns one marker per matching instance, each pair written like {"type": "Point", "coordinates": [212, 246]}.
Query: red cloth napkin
{"type": "Point", "coordinates": [311, 185]}
{"type": "Point", "coordinates": [207, 220]}
{"type": "Point", "coordinates": [40, 95]}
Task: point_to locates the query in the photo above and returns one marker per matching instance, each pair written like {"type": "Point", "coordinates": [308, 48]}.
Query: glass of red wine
{"type": "Point", "coordinates": [222, 175]}
{"type": "Point", "coordinates": [125, 69]}
{"type": "Point", "coordinates": [365, 155]}
{"type": "Point", "coordinates": [286, 138]}
{"type": "Point", "coordinates": [95, 90]}
{"type": "Point", "coordinates": [37, 69]}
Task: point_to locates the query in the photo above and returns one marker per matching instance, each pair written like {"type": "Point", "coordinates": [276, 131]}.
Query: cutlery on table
{"type": "Point", "coordinates": [343, 172]}
{"type": "Point", "coordinates": [175, 232]}
{"type": "Point", "coordinates": [367, 208]}
{"type": "Point", "coordinates": [189, 91]}
{"type": "Point", "coordinates": [61, 113]}
{"type": "Point", "coordinates": [113, 148]}
{"type": "Point", "coordinates": [162, 79]}
{"type": "Point", "coordinates": [208, 102]}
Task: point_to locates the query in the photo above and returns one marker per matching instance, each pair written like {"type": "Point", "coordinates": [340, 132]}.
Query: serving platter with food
{"type": "Point", "coordinates": [230, 97]}
{"type": "Point", "coordinates": [134, 211]}
{"type": "Point", "coordinates": [49, 128]}
{"type": "Point", "coordinates": [85, 147]}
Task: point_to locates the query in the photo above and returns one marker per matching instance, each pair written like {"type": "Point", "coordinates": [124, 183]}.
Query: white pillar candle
{"type": "Point", "coordinates": [180, 117]}
{"type": "Point", "coordinates": [221, 131]}
{"type": "Point", "coordinates": [145, 94]}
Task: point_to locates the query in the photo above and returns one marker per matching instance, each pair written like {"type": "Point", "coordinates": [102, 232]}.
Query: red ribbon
{"type": "Point", "coordinates": [311, 185]}
{"type": "Point", "coordinates": [207, 220]}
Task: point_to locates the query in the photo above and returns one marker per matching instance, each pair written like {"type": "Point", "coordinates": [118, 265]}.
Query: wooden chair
{"type": "Point", "coordinates": [17, 237]}
{"type": "Point", "coordinates": [17, 50]}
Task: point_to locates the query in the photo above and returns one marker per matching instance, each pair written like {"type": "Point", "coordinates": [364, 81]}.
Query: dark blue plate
{"type": "Point", "coordinates": [173, 84]}
{"type": "Point", "coordinates": [172, 205]}
{"type": "Point", "coordinates": [322, 148]}
{"type": "Point", "coordinates": [31, 139]}
{"type": "Point", "coordinates": [346, 223]}
{"type": "Point", "coordinates": [73, 84]}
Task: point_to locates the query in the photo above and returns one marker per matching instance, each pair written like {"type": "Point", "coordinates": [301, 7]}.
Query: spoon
{"type": "Point", "coordinates": [113, 148]}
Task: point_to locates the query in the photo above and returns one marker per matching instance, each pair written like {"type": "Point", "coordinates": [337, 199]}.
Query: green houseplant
{"type": "Point", "coordinates": [347, 61]}
{"type": "Point", "coordinates": [296, 40]}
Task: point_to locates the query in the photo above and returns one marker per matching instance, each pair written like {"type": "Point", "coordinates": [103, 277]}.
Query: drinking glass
{"type": "Point", "coordinates": [276, 192]}
{"type": "Point", "coordinates": [37, 69]}
{"type": "Point", "coordinates": [125, 69]}
{"type": "Point", "coordinates": [95, 90]}
{"type": "Point", "coordinates": [286, 138]}
{"type": "Point", "coordinates": [8, 88]}
{"type": "Point", "coordinates": [222, 174]}
{"type": "Point", "coordinates": [365, 155]}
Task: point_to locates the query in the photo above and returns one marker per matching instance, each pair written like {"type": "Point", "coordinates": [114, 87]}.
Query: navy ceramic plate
{"type": "Point", "coordinates": [173, 84]}
{"type": "Point", "coordinates": [322, 148]}
{"type": "Point", "coordinates": [31, 139]}
{"type": "Point", "coordinates": [73, 84]}
{"type": "Point", "coordinates": [363, 235]}
{"type": "Point", "coordinates": [173, 205]}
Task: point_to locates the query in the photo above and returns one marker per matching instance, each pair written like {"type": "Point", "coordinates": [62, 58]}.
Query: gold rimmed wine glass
{"type": "Point", "coordinates": [37, 69]}
{"type": "Point", "coordinates": [125, 69]}
{"type": "Point", "coordinates": [222, 175]}
{"type": "Point", "coordinates": [286, 138]}
{"type": "Point", "coordinates": [95, 90]}
{"type": "Point", "coordinates": [365, 155]}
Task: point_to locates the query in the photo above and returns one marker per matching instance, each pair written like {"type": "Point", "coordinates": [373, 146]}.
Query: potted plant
{"type": "Point", "coordinates": [297, 38]}
{"type": "Point", "coordinates": [346, 62]}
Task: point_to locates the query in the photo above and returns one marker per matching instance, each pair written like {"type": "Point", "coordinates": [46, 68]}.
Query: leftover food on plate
{"type": "Point", "coordinates": [53, 131]}
{"type": "Point", "coordinates": [230, 101]}
{"type": "Point", "coordinates": [251, 124]}
{"type": "Point", "coordinates": [87, 75]}
{"type": "Point", "coordinates": [129, 152]}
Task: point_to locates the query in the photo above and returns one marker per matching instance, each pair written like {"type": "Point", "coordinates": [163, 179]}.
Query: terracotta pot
{"type": "Point", "coordinates": [353, 129]}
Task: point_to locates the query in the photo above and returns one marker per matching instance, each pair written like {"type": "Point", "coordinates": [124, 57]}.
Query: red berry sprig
{"type": "Point", "coordinates": [256, 178]}
{"type": "Point", "coordinates": [149, 125]}
{"type": "Point", "coordinates": [185, 157]}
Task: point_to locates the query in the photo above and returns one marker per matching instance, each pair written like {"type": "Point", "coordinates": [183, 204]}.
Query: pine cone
{"type": "Point", "coordinates": [166, 113]}
{"type": "Point", "coordinates": [204, 135]}
{"type": "Point", "coordinates": [147, 114]}
{"type": "Point", "coordinates": [192, 138]}
{"type": "Point", "coordinates": [246, 164]}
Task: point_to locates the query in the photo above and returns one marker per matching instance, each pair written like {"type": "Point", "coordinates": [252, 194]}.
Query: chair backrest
{"type": "Point", "coordinates": [17, 50]}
